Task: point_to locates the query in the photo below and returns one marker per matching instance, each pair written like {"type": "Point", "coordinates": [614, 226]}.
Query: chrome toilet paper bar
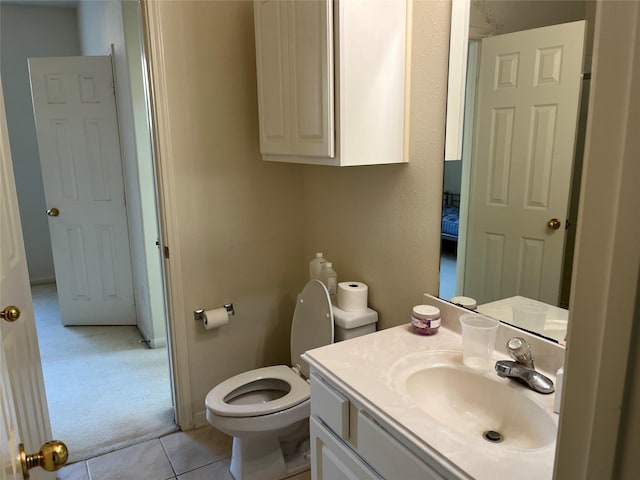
{"type": "Point", "coordinates": [198, 314]}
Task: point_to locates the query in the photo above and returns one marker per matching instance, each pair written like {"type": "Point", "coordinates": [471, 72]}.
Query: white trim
{"type": "Point", "coordinates": [458, 44]}
{"type": "Point", "coordinates": [467, 158]}
{"type": "Point", "coordinates": [607, 257]}
{"type": "Point", "coordinates": [168, 218]}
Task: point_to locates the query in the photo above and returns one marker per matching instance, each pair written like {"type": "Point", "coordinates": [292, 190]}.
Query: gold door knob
{"type": "Point", "coordinates": [10, 313]}
{"type": "Point", "coordinates": [51, 457]}
{"type": "Point", "coordinates": [554, 224]}
{"type": "Point", "coordinates": [53, 212]}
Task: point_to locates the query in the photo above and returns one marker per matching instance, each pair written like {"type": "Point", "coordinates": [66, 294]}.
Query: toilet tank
{"type": "Point", "coordinates": [353, 324]}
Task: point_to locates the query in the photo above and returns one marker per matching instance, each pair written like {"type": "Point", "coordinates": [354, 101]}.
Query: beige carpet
{"type": "Point", "coordinates": [105, 389]}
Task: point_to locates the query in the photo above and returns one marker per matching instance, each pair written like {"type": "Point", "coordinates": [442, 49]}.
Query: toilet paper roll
{"type": "Point", "coordinates": [215, 318]}
{"type": "Point", "coordinates": [352, 296]}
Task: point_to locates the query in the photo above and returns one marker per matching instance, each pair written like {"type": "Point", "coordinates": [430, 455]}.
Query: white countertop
{"type": "Point", "coordinates": [556, 318]}
{"type": "Point", "coordinates": [366, 368]}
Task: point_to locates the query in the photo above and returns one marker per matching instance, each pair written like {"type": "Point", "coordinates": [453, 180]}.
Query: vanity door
{"type": "Point", "coordinates": [333, 460]}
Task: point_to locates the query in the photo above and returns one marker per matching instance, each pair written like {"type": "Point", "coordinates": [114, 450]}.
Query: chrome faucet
{"type": "Point", "coordinates": [522, 368]}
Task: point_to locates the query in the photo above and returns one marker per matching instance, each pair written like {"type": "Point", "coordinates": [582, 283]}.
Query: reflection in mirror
{"type": "Point", "coordinates": [511, 193]}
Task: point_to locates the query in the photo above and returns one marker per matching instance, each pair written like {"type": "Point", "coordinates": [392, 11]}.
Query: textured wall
{"type": "Point", "coordinates": [245, 229]}
{"type": "Point", "coordinates": [381, 224]}
{"type": "Point", "coordinates": [238, 220]}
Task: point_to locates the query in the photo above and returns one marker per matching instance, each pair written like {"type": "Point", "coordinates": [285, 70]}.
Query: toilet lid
{"type": "Point", "coordinates": [298, 393]}
{"type": "Point", "coordinates": [312, 324]}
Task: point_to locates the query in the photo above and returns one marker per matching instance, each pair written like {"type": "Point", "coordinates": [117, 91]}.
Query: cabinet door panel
{"type": "Point", "coordinates": [272, 56]}
{"type": "Point", "coordinates": [311, 29]}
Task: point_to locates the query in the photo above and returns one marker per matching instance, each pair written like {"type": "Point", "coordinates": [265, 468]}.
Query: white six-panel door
{"type": "Point", "coordinates": [19, 352]}
{"type": "Point", "coordinates": [527, 109]}
{"type": "Point", "coordinates": [76, 124]}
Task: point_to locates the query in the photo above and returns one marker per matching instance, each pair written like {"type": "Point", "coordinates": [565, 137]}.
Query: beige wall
{"type": "Point", "coordinates": [244, 229]}
{"type": "Point", "coordinates": [237, 227]}
{"type": "Point", "coordinates": [248, 228]}
{"type": "Point", "coordinates": [381, 224]}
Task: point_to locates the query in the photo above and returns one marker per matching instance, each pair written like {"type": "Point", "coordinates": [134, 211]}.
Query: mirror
{"type": "Point", "coordinates": [482, 167]}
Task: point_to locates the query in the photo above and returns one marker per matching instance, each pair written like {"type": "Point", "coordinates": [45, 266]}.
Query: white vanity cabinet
{"type": "Point", "coordinates": [331, 81]}
{"type": "Point", "coordinates": [347, 442]}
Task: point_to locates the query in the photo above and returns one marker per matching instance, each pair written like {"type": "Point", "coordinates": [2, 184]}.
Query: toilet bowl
{"type": "Point", "coordinates": [266, 410]}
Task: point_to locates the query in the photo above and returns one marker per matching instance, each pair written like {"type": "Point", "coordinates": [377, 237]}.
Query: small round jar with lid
{"type": "Point", "coordinates": [425, 319]}
{"type": "Point", "coordinates": [466, 302]}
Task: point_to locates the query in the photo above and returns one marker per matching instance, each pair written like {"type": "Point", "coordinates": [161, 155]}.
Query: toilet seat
{"type": "Point", "coordinates": [217, 399]}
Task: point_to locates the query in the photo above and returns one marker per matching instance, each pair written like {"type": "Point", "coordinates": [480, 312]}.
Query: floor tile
{"type": "Point", "coordinates": [214, 471]}
{"type": "Point", "coordinates": [75, 471]}
{"type": "Point", "coordinates": [145, 460]}
{"type": "Point", "coordinates": [194, 449]}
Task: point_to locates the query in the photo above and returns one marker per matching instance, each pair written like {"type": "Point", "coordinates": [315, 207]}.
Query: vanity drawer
{"type": "Point", "coordinates": [331, 406]}
{"type": "Point", "coordinates": [387, 455]}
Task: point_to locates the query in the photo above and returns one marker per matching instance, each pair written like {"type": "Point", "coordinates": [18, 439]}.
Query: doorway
{"type": "Point", "coordinates": [67, 31]}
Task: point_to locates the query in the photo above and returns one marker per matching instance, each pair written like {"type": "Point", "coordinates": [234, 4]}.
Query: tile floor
{"type": "Point", "coordinates": [202, 454]}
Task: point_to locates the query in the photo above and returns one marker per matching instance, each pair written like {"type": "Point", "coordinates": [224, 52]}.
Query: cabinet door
{"type": "Point", "coordinates": [294, 53]}
{"type": "Point", "coordinates": [332, 460]}
{"type": "Point", "coordinates": [371, 75]}
{"type": "Point", "coordinates": [387, 455]}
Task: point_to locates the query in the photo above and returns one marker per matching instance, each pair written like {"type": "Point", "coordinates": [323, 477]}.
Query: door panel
{"type": "Point", "coordinates": [19, 353]}
{"type": "Point", "coordinates": [527, 109]}
{"type": "Point", "coordinates": [77, 130]}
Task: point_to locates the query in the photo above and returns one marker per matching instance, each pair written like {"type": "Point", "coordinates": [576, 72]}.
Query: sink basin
{"type": "Point", "coordinates": [479, 406]}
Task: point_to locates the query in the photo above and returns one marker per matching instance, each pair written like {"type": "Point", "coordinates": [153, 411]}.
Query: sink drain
{"type": "Point", "coordinates": [492, 436]}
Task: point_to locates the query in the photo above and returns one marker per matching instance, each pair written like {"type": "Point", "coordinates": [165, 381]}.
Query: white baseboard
{"type": "Point", "coordinates": [200, 419]}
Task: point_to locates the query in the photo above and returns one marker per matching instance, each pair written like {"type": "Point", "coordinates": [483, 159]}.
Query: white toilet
{"type": "Point", "coordinates": [266, 410]}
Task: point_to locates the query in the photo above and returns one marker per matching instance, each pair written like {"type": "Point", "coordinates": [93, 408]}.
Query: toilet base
{"type": "Point", "coordinates": [272, 457]}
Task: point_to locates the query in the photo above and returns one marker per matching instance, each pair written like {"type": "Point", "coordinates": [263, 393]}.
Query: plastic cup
{"type": "Point", "coordinates": [530, 316]}
{"type": "Point", "coordinates": [478, 340]}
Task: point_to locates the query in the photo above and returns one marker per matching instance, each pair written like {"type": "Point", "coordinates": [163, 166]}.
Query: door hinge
{"type": "Point", "coordinates": [166, 252]}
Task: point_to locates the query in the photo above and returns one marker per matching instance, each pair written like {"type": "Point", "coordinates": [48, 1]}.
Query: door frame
{"type": "Point", "coordinates": [599, 420]}
{"type": "Point", "coordinates": [168, 213]}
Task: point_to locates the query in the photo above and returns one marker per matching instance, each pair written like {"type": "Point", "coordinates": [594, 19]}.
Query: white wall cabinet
{"type": "Point", "coordinates": [347, 442]}
{"type": "Point", "coordinates": [332, 81]}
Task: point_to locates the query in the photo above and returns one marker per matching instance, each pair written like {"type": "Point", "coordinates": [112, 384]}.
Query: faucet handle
{"type": "Point", "coordinates": [520, 351]}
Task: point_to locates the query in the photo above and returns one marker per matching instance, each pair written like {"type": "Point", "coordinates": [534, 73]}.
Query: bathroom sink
{"type": "Point", "coordinates": [479, 406]}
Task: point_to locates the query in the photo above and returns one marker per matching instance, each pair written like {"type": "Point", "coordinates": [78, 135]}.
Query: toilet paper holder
{"type": "Point", "coordinates": [198, 314]}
